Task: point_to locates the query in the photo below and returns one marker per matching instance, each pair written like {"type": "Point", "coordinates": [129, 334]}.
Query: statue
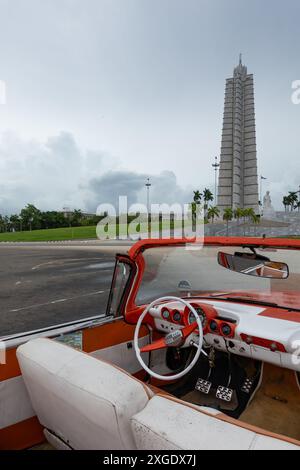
{"type": "Point", "coordinates": [268, 209]}
{"type": "Point", "coordinates": [268, 201]}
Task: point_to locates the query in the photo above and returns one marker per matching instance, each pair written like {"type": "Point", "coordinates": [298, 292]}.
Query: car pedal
{"type": "Point", "coordinates": [224, 393]}
{"type": "Point", "coordinates": [247, 385]}
{"type": "Point", "coordinates": [203, 386]}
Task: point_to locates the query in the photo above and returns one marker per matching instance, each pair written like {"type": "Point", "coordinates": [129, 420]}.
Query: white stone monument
{"type": "Point", "coordinates": [238, 178]}
{"type": "Point", "coordinates": [268, 209]}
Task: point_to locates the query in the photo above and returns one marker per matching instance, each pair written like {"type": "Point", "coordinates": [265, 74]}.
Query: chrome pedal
{"type": "Point", "coordinates": [224, 393]}
{"type": "Point", "coordinates": [203, 386]}
{"type": "Point", "coordinates": [247, 385]}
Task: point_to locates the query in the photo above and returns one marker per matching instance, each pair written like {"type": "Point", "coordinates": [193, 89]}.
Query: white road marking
{"type": "Point", "coordinates": [58, 301]}
{"type": "Point", "coordinates": [59, 262]}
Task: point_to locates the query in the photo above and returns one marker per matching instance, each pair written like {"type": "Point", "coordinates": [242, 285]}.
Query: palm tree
{"type": "Point", "coordinates": [197, 197]}
{"type": "Point", "coordinates": [213, 212]}
{"type": "Point", "coordinates": [227, 216]}
{"type": "Point", "coordinates": [207, 197]}
{"type": "Point", "coordinates": [195, 204]}
{"type": "Point", "coordinates": [249, 215]}
{"type": "Point", "coordinates": [286, 202]}
{"type": "Point", "coordinates": [243, 215]}
{"type": "Point", "coordinates": [293, 199]}
{"type": "Point", "coordinates": [238, 213]}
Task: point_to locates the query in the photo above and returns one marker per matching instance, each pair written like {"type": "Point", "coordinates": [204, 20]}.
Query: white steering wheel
{"type": "Point", "coordinates": [176, 339]}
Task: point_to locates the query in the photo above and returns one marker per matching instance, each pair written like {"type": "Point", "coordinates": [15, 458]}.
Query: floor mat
{"type": "Point", "coordinates": [198, 398]}
{"type": "Point", "coordinates": [276, 405]}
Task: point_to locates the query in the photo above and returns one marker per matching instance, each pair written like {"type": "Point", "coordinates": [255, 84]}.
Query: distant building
{"type": "Point", "coordinates": [238, 179]}
{"type": "Point", "coordinates": [67, 212]}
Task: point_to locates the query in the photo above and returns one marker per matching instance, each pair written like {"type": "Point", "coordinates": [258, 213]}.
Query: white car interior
{"type": "Point", "coordinates": [198, 350]}
{"type": "Point", "coordinates": [104, 407]}
{"type": "Point", "coordinates": [87, 410]}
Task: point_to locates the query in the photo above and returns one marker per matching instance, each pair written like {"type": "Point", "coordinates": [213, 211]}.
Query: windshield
{"type": "Point", "coordinates": [167, 267]}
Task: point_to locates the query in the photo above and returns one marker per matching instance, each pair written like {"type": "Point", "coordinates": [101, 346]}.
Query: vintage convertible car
{"type": "Point", "coordinates": [199, 349]}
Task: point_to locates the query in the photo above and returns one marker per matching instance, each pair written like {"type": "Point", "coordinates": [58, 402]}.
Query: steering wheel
{"type": "Point", "coordinates": [174, 339]}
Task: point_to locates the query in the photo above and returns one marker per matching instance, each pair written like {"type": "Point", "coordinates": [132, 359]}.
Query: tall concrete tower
{"type": "Point", "coordinates": [238, 179]}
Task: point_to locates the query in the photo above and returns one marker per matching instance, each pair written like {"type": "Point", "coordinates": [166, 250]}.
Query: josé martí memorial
{"type": "Point", "coordinates": [238, 182]}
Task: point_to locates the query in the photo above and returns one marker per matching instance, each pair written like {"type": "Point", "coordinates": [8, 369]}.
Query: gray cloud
{"type": "Point", "coordinates": [46, 174]}
{"type": "Point", "coordinates": [111, 185]}
{"type": "Point", "coordinates": [57, 173]}
{"type": "Point", "coordinates": [143, 80]}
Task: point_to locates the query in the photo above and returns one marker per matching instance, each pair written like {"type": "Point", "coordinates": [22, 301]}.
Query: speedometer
{"type": "Point", "coordinates": [176, 316]}
{"type": "Point", "coordinates": [165, 314]}
{"type": "Point", "coordinates": [201, 314]}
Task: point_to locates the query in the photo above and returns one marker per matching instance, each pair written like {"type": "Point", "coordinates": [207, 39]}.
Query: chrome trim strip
{"type": "Point", "coordinates": [51, 332]}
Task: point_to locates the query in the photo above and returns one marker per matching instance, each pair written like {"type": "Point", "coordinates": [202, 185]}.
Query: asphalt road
{"type": "Point", "coordinates": [47, 284]}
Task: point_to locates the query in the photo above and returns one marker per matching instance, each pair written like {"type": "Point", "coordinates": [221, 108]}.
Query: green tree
{"type": "Point", "coordinates": [207, 197]}
{"type": "Point", "coordinates": [197, 197]}
{"type": "Point", "coordinates": [286, 202]}
{"type": "Point", "coordinates": [293, 199]}
{"type": "Point", "coordinates": [6, 223]}
{"type": "Point", "coordinates": [195, 204]}
{"type": "Point", "coordinates": [15, 222]}
{"type": "Point", "coordinates": [238, 213]}
{"type": "Point", "coordinates": [249, 215]}
{"type": "Point", "coordinates": [227, 216]}
{"type": "Point", "coordinates": [244, 215]}
{"type": "Point", "coordinates": [31, 217]}
{"type": "Point", "coordinates": [212, 213]}
{"type": "Point", "coordinates": [76, 218]}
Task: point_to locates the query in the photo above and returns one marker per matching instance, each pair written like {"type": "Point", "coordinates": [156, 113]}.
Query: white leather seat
{"type": "Point", "coordinates": [184, 427]}
{"type": "Point", "coordinates": [85, 402]}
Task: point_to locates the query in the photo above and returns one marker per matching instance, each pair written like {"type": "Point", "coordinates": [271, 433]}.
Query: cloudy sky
{"type": "Point", "coordinates": [101, 94]}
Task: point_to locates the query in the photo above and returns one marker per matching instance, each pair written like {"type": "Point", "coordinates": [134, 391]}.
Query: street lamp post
{"type": "Point", "coordinates": [148, 186]}
{"type": "Point", "coordinates": [262, 178]}
{"type": "Point", "coordinates": [216, 166]}
{"type": "Point", "coordinates": [298, 204]}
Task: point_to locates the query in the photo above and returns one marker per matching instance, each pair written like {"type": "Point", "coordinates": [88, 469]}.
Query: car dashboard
{"type": "Point", "coordinates": [262, 333]}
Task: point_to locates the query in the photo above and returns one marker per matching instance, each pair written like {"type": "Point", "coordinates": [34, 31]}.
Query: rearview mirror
{"type": "Point", "coordinates": [184, 286]}
{"type": "Point", "coordinates": [253, 265]}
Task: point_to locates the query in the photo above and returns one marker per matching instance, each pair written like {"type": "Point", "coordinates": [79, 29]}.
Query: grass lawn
{"type": "Point", "coordinates": [54, 234]}
{"type": "Point", "coordinates": [69, 233]}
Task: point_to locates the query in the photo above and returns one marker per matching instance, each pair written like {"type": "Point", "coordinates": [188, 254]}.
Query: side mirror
{"type": "Point", "coordinates": [253, 265]}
